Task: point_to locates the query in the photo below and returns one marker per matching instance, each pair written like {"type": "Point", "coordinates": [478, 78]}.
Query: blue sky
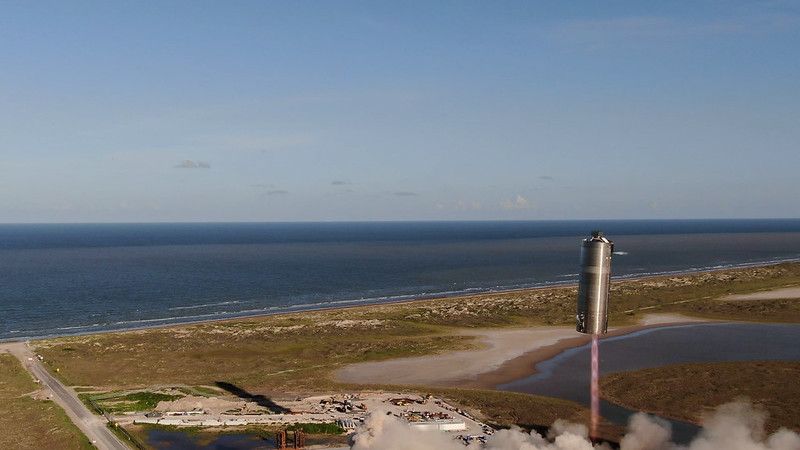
{"type": "Point", "coordinates": [262, 111]}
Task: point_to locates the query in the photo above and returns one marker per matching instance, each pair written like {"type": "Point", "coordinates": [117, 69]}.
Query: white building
{"type": "Point", "coordinates": [440, 425]}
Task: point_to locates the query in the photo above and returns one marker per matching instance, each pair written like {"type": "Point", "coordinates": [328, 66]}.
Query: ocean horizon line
{"type": "Point", "coordinates": [381, 221]}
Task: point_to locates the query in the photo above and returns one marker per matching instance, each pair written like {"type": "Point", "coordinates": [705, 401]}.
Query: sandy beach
{"type": "Point", "coordinates": [504, 355]}
{"type": "Point", "coordinates": [653, 280]}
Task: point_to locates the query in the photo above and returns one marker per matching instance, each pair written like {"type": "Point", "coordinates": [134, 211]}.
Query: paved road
{"type": "Point", "coordinates": [94, 427]}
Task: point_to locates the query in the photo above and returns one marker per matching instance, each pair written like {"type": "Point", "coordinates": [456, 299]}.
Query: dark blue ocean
{"type": "Point", "coordinates": [63, 279]}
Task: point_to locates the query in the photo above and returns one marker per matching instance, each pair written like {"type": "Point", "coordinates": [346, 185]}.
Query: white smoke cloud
{"type": "Point", "coordinates": [740, 426]}
{"type": "Point", "coordinates": [734, 426]}
{"type": "Point", "coordinates": [647, 433]}
{"type": "Point", "coordinates": [385, 432]}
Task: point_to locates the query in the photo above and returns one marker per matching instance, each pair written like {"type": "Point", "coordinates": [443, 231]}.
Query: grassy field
{"type": "Point", "coordinates": [292, 354]}
{"type": "Point", "coordinates": [29, 423]}
{"type": "Point", "coordinates": [317, 428]}
{"type": "Point", "coordinates": [285, 353]}
{"type": "Point", "coordinates": [116, 403]}
{"type": "Point", "coordinates": [698, 294]}
{"type": "Point", "coordinates": [686, 391]}
{"type": "Point", "coordinates": [297, 351]}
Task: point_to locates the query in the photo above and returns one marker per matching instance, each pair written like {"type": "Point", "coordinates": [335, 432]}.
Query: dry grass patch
{"type": "Point", "coordinates": [296, 353]}
{"type": "Point", "coordinates": [29, 423]}
{"type": "Point", "coordinates": [687, 391]}
{"type": "Point", "coordinates": [256, 354]}
{"type": "Point", "coordinates": [699, 294]}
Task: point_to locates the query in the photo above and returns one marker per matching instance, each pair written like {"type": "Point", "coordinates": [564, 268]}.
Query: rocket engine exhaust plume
{"type": "Point", "coordinates": [595, 388]}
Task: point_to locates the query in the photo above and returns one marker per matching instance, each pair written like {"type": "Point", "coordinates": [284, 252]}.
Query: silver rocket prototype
{"type": "Point", "coordinates": [594, 284]}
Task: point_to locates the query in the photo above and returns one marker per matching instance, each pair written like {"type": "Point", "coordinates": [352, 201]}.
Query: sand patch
{"type": "Point", "coordinates": [498, 346]}
{"type": "Point", "coordinates": [510, 351]}
{"type": "Point", "coordinates": [775, 294]}
{"type": "Point", "coordinates": [667, 318]}
{"type": "Point", "coordinates": [211, 405]}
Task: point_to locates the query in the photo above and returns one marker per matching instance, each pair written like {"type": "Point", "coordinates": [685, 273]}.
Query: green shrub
{"type": "Point", "coordinates": [317, 428]}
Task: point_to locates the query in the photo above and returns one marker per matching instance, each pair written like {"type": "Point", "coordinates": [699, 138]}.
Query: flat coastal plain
{"type": "Point", "coordinates": [502, 355]}
{"type": "Point", "coordinates": [456, 347]}
{"type": "Point", "coordinates": [689, 391]}
{"type": "Point", "coordinates": [28, 419]}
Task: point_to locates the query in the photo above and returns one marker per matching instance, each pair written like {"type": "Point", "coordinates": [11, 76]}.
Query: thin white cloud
{"type": "Point", "coordinates": [463, 205]}
{"type": "Point", "coordinates": [405, 194]}
{"type": "Point", "coordinates": [189, 164]}
{"type": "Point", "coordinates": [459, 206]}
{"type": "Point", "coordinates": [517, 203]}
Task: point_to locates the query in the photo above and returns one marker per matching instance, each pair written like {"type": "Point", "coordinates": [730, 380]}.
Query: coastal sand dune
{"type": "Point", "coordinates": [503, 354]}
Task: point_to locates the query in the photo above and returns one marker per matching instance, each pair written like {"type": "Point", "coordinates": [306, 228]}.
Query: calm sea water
{"type": "Point", "coordinates": [63, 279]}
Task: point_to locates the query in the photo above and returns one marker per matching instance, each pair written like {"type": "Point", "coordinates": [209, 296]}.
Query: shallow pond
{"type": "Point", "coordinates": [567, 374]}
{"type": "Point", "coordinates": [176, 439]}
{"type": "Point", "coordinates": [180, 440]}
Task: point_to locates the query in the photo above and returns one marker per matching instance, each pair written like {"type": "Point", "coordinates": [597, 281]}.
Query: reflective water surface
{"type": "Point", "coordinates": [567, 375]}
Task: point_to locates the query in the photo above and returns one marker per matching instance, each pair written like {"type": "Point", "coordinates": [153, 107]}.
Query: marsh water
{"type": "Point", "coordinates": [567, 374]}
{"type": "Point", "coordinates": [176, 439]}
{"type": "Point", "coordinates": [179, 440]}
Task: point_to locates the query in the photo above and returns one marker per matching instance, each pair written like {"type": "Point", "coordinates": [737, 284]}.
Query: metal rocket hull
{"type": "Point", "coordinates": [594, 285]}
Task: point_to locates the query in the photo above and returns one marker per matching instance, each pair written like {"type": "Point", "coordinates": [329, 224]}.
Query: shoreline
{"type": "Point", "coordinates": [525, 365]}
{"type": "Point", "coordinates": [338, 304]}
{"type": "Point", "coordinates": [509, 354]}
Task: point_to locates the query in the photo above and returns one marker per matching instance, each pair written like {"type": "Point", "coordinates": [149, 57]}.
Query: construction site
{"type": "Point", "coordinates": [341, 412]}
